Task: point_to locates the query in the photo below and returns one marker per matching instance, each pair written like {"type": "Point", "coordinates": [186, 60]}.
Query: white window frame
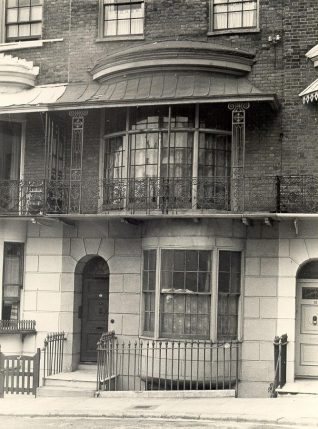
{"type": "Point", "coordinates": [214, 291]}
{"type": "Point", "coordinates": [28, 41]}
{"type": "Point", "coordinates": [212, 31]}
{"type": "Point", "coordinates": [101, 23]}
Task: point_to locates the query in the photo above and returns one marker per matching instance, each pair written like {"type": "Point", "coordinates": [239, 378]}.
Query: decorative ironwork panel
{"type": "Point", "coordinates": [298, 194]}
{"type": "Point", "coordinates": [238, 153]}
{"type": "Point", "coordinates": [78, 120]}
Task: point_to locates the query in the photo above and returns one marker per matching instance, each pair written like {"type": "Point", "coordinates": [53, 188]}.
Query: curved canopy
{"type": "Point", "coordinates": [173, 56]}
{"type": "Point", "coordinates": [159, 88]}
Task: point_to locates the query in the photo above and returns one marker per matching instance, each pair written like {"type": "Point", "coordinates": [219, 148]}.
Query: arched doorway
{"type": "Point", "coordinates": [95, 299]}
{"type": "Point", "coordinates": [307, 320]}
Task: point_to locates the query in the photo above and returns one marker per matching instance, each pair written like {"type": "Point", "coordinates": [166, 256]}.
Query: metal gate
{"type": "Point", "coordinates": [19, 374]}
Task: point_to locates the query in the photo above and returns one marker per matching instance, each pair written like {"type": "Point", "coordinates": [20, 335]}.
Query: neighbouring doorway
{"type": "Point", "coordinates": [95, 303]}
{"type": "Point", "coordinates": [307, 321]}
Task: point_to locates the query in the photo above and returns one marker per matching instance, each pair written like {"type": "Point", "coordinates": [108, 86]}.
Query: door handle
{"type": "Point", "coordinates": [314, 320]}
{"type": "Point", "coordinates": [99, 328]}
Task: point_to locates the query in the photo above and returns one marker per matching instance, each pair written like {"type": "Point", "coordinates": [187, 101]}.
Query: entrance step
{"type": "Point", "coordinates": [89, 367]}
{"type": "Point", "coordinates": [77, 383]}
{"type": "Point", "coordinates": [299, 387]}
{"type": "Point", "coordinates": [64, 392]}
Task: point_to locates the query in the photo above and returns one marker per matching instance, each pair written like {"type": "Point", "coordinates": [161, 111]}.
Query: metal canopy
{"type": "Point", "coordinates": [149, 88]}
{"type": "Point", "coordinates": [310, 94]}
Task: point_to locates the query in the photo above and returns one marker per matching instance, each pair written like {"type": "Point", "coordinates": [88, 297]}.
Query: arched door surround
{"type": "Point", "coordinates": [307, 320]}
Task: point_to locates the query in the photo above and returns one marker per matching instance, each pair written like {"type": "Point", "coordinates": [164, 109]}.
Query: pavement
{"type": "Point", "coordinates": [291, 411]}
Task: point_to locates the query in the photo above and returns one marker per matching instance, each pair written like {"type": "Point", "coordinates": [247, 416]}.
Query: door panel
{"type": "Point", "coordinates": [307, 328]}
{"type": "Point", "coordinates": [94, 315]}
{"type": "Point", "coordinates": [309, 354]}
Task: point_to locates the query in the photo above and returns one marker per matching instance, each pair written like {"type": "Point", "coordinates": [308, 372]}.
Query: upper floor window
{"type": "Point", "coordinates": [23, 20]}
{"type": "Point", "coordinates": [167, 155]}
{"type": "Point", "coordinates": [122, 17]}
{"type": "Point", "coordinates": [233, 14]}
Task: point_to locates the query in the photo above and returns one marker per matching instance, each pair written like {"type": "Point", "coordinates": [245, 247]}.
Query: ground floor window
{"type": "Point", "coordinates": [178, 294]}
{"type": "Point", "coordinates": [12, 280]}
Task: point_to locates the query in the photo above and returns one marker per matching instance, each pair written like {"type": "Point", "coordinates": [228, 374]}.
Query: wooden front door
{"type": "Point", "coordinates": [94, 311]}
{"type": "Point", "coordinates": [307, 328]}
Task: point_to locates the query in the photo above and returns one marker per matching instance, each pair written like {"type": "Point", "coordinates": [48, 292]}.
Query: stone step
{"type": "Point", "coordinates": [78, 384]}
{"type": "Point", "coordinates": [300, 387]}
{"type": "Point", "coordinates": [64, 392]}
{"type": "Point", "coordinates": [87, 367]}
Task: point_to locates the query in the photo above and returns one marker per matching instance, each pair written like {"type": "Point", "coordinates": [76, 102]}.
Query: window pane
{"type": "Point", "coordinates": [12, 31]}
{"type": "Point", "coordinates": [204, 282]}
{"type": "Point", "coordinates": [36, 29]}
{"type": "Point", "coordinates": [123, 11]}
{"type": "Point", "coordinates": [137, 26]}
{"type": "Point", "coordinates": [123, 27]}
{"type": "Point", "coordinates": [179, 260]}
{"type": "Point", "coordinates": [12, 15]}
{"type": "Point", "coordinates": [166, 280]}
{"type": "Point", "coordinates": [249, 19]}
{"type": "Point", "coordinates": [11, 291]}
{"type": "Point", "coordinates": [36, 13]}
{"type": "Point", "coordinates": [24, 14]}
{"type": "Point", "coordinates": [10, 310]}
{"type": "Point", "coordinates": [110, 13]}
{"type": "Point", "coordinates": [204, 261]}
{"type": "Point", "coordinates": [136, 10]}
{"type": "Point", "coordinates": [235, 20]}
{"type": "Point", "coordinates": [110, 28]}
{"type": "Point", "coordinates": [191, 282]}
{"type": "Point", "coordinates": [178, 280]}
{"type": "Point", "coordinates": [24, 30]}
{"type": "Point", "coordinates": [12, 3]}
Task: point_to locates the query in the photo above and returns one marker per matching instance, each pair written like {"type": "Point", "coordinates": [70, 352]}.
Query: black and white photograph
{"type": "Point", "coordinates": [158, 214]}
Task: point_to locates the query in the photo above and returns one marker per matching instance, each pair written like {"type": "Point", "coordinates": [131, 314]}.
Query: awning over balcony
{"type": "Point", "coordinates": [310, 94]}
{"type": "Point", "coordinates": [145, 89]}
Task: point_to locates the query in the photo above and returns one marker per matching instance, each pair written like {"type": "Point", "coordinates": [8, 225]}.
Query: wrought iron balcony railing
{"type": "Point", "coordinates": [293, 194]}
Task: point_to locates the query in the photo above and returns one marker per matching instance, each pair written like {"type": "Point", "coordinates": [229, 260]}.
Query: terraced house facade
{"type": "Point", "coordinates": [158, 179]}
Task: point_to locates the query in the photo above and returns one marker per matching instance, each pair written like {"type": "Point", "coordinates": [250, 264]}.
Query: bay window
{"type": "Point", "coordinates": [183, 283]}
{"type": "Point", "coordinates": [12, 280]}
{"type": "Point", "coordinates": [178, 156]}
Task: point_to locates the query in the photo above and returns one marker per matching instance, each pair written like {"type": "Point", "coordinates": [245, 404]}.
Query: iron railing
{"type": "Point", "coordinates": [17, 326]}
{"type": "Point", "coordinates": [280, 362]}
{"type": "Point", "coordinates": [293, 194]}
{"type": "Point", "coordinates": [166, 365]}
{"type": "Point", "coordinates": [53, 354]}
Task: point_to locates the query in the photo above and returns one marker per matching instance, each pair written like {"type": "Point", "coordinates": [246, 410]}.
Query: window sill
{"type": "Point", "coordinates": [26, 44]}
{"type": "Point", "coordinates": [120, 38]}
{"type": "Point", "coordinates": [233, 31]}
